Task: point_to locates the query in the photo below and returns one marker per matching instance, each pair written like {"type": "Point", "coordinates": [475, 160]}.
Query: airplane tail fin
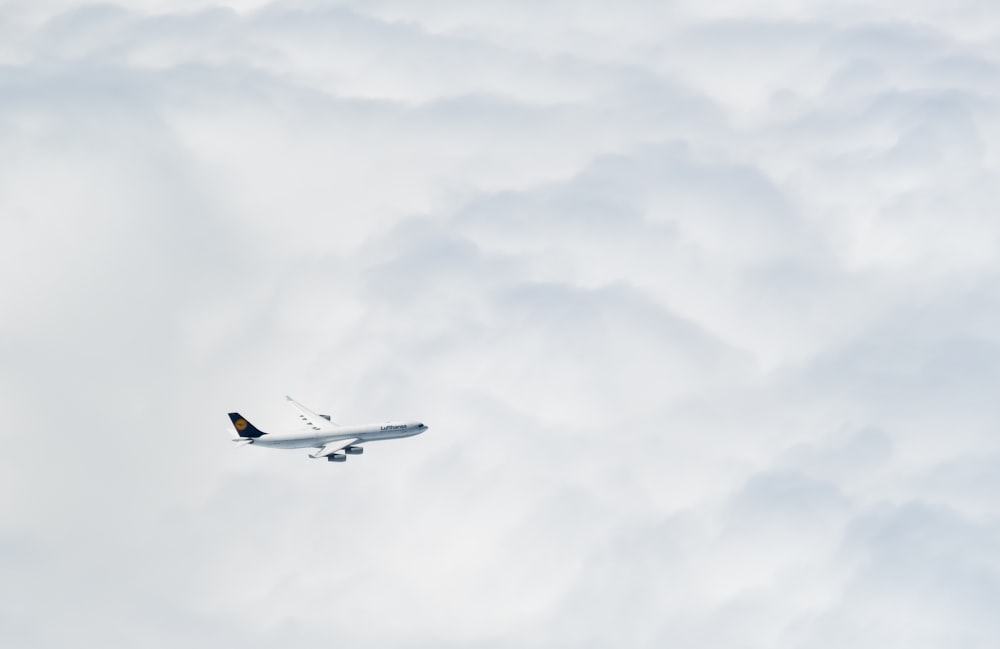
{"type": "Point", "coordinates": [243, 427]}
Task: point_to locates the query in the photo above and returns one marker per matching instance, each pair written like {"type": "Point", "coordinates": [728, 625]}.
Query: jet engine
{"type": "Point", "coordinates": [354, 450]}
{"type": "Point", "coordinates": [336, 457]}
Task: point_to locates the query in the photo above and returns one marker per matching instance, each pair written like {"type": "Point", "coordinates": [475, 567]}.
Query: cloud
{"type": "Point", "coordinates": [698, 303]}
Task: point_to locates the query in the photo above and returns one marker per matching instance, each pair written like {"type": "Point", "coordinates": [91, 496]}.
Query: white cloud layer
{"type": "Point", "coordinates": [700, 302]}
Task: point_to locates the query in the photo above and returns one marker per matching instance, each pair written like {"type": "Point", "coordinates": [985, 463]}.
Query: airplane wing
{"type": "Point", "coordinates": [313, 420]}
{"type": "Point", "coordinates": [333, 447]}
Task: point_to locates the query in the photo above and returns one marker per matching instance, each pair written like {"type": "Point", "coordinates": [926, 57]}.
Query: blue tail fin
{"type": "Point", "coordinates": [243, 427]}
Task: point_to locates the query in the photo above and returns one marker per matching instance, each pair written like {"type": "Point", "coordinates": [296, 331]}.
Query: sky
{"type": "Point", "coordinates": [699, 300]}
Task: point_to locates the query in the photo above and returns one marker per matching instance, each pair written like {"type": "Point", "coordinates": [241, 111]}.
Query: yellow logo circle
{"type": "Point", "coordinates": [241, 424]}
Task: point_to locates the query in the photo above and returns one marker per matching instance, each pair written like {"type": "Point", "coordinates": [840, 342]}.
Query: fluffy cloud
{"type": "Point", "coordinates": [699, 303]}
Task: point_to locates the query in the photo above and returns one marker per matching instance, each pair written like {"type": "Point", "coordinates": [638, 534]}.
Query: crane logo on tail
{"type": "Point", "coordinates": [241, 424]}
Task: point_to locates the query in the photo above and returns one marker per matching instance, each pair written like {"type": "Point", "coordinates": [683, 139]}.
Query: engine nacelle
{"type": "Point", "coordinates": [336, 457]}
{"type": "Point", "coordinates": [354, 450]}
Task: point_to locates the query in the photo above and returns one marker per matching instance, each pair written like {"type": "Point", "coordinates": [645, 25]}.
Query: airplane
{"type": "Point", "coordinates": [335, 442]}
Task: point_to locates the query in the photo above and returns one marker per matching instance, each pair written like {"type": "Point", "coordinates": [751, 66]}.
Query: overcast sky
{"type": "Point", "coordinates": [700, 301]}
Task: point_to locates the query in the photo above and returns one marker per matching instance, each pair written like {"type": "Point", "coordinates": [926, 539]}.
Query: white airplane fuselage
{"type": "Point", "coordinates": [363, 433]}
{"type": "Point", "coordinates": [333, 441]}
